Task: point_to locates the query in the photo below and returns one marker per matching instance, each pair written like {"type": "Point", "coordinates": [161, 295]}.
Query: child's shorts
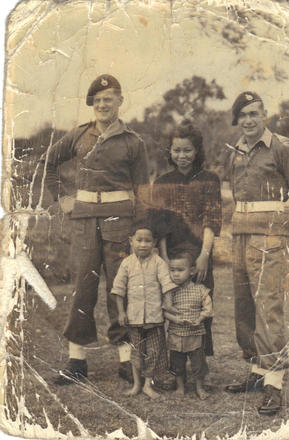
{"type": "Point", "coordinates": [198, 363]}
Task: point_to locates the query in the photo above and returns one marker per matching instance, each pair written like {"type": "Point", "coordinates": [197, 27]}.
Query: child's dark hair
{"type": "Point", "coordinates": [186, 130]}
{"type": "Point", "coordinates": [190, 256]}
{"type": "Point", "coordinates": [143, 224]}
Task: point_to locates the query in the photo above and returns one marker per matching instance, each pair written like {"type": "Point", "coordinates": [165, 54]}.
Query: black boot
{"type": "Point", "coordinates": [255, 382]}
{"type": "Point", "coordinates": [271, 404]}
{"type": "Point", "coordinates": [76, 370]}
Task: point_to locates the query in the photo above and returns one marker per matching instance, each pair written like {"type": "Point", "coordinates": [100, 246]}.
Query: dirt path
{"type": "Point", "coordinates": [45, 352]}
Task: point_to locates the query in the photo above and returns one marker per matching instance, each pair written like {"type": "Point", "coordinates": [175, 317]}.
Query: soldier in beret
{"type": "Point", "coordinates": [260, 183]}
{"type": "Point", "coordinates": [111, 172]}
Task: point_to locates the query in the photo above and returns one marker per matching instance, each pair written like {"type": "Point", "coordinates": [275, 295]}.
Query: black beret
{"type": "Point", "coordinates": [242, 100]}
{"type": "Point", "coordinates": [102, 82]}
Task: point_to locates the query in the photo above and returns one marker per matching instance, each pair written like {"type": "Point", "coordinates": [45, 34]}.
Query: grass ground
{"type": "Point", "coordinates": [100, 406]}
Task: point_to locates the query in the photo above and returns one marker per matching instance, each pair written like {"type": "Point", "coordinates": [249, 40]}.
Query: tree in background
{"type": "Point", "coordinates": [49, 236]}
{"type": "Point", "coordinates": [279, 123]}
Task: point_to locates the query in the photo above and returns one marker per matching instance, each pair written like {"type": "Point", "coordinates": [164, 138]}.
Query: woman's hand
{"type": "Point", "coordinates": [203, 258]}
{"type": "Point", "coordinates": [163, 250]}
{"type": "Point", "coordinates": [202, 267]}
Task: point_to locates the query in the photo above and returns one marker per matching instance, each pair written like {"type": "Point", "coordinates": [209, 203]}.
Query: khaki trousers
{"type": "Point", "coordinates": [96, 242]}
{"type": "Point", "coordinates": [260, 268]}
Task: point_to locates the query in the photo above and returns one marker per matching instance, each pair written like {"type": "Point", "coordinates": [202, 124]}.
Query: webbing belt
{"type": "Point", "coordinates": [103, 196]}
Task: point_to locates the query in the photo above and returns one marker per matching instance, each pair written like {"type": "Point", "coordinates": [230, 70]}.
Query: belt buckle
{"type": "Point", "coordinates": [249, 206]}
{"type": "Point", "coordinates": [243, 206]}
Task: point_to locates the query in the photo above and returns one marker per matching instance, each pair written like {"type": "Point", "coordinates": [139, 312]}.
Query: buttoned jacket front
{"type": "Point", "coordinates": [112, 161]}
{"type": "Point", "coordinates": [261, 174]}
{"type": "Point", "coordinates": [143, 282]}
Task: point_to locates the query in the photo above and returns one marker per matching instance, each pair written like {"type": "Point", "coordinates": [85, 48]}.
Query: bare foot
{"type": "Point", "coordinates": [179, 392]}
{"type": "Point", "coordinates": [133, 391]}
{"type": "Point", "coordinates": [147, 389]}
{"type": "Point", "coordinates": [201, 392]}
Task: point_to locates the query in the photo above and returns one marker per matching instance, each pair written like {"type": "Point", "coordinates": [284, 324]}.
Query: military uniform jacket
{"type": "Point", "coordinates": [112, 161]}
{"type": "Point", "coordinates": [261, 174]}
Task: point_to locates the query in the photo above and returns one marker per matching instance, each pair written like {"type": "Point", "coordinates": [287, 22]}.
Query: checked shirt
{"type": "Point", "coordinates": [193, 301]}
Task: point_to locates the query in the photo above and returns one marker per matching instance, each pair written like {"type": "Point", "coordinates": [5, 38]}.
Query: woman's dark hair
{"type": "Point", "coordinates": [186, 130]}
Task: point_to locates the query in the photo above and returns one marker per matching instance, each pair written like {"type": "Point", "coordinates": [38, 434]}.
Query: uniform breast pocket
{"type": "Point", "coordinates": [267, 243]}
{"type": "Point", "coordinates": [115, 229]}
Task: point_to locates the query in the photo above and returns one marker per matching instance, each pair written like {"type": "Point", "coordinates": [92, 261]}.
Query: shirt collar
{"type": "Point", "coordinates": [266, 138]}
{"type": "Point", "coordinates": [186, 284]}
{"type": "Point", "coordinates": [192, 173]}
{"type": "Point", "coordinates": [151, 255]}
{"type": "Point", "coordinates": [117, 127]}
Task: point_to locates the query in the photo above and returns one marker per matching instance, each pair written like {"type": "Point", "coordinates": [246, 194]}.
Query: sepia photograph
{"type": "Point", "coordinates": [145, 243]}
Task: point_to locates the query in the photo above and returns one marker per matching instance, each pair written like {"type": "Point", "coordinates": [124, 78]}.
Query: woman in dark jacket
{"type": "Point", "coordinates": [188, 202]}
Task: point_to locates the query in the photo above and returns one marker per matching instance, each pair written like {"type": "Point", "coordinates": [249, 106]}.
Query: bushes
{"type": "Point", "coordinates": [49, 234]}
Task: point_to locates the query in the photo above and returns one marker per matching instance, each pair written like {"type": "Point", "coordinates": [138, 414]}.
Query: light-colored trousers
{"type": "Point", "coordinates": [260, 273]}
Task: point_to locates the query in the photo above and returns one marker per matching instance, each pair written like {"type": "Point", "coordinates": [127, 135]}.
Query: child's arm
{"type": "Point", "coordinates": [203, 258]}
{"type": "Point", "coordinates": [163, 249]}
{"type": "Point", "coordinates": [168, 303]}
{"type": "Point", "coordinates": [122, 317]}
{"type": "Point", "coordinates": [207, 309]}
{"type": "Point", "coordinates": [173, 318]}
{"type": "Point", "coordinates": [170, 312]}
{"type": "Point", "coordinates": [119, 289]}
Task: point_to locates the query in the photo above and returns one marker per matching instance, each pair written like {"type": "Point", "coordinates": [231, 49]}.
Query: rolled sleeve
{"type": "Point", "coordinates": [120, 281]}
{"type": "Point", "coordinates": [164, 277]}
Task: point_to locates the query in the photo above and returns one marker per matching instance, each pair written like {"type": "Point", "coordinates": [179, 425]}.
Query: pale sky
{"type": "Point", "coordinates": [55, 55]}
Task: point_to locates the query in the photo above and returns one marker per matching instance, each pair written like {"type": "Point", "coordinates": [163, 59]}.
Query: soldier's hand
{"type": "Point", "coordinates": [66, 203]}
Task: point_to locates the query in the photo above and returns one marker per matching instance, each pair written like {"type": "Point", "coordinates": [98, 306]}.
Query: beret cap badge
{"type": "Point", "coordinates": [104, 82]}
{"type": "Point", "coordinates": [101, 83]}
{"type": "Point", "coordinates": [248, 97]}
{"type": "Point", "coordinates": [241, 101]}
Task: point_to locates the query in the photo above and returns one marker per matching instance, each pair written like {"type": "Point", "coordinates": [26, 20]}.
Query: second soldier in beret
{"type": "Point", "coordinates": [111, 171]}
{"type": "Point", "coordinates": [260, 183]}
